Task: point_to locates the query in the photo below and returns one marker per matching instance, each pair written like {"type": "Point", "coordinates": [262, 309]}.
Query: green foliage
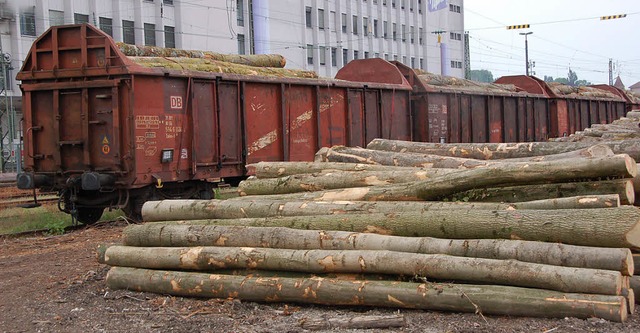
{"type": "Point", "coordinates": [571, 79]}
{"type": "Point", "coordinates": [482, 75]}
{"type": "Point", "coordinates": [55, 228]}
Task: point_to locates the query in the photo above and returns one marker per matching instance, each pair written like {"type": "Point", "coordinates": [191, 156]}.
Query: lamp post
{"type": "Point", "coordinates": [526, 49]}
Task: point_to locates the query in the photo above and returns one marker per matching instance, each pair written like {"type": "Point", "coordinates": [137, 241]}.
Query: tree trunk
{"type": "Point", "coordinates": [490, 151]}
{"type": "Point", "coordinates": [500, 174]}
{"type": "Point", "coordinates": [334, 179]}
{"type": "Point", "coordinates": [256, 60]}
{"type": "Point", "coordinates": [623, 187]}
{"type": "Point", "coordinates": [413, 159]}
{"type": "Point", "coordinates": [490, 300]}
{"type": "Point", "coordinates": [281, 169]}
{"type": "Point", "coordinates": [173, 210]}
{"type": "Point", "coordinates": [357, 322]}
{"type": "Point", "coordinates": [154, 234]}
{"type": "Point", "coordinates": [607, 227]}
{"type": "Point", "coordinates": [430, 266]}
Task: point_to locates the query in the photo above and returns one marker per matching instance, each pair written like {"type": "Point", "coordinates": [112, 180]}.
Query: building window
{"type": "Point", "coordinates": [309, 54]}
{"type": "Point", "coordinates": [241, 49]}
{"type": "Point", "coordinates": [345, 56]}
{"type": "Point", "coordinates": [355, 25]}
{"type": "Point", "coordinates": [421, 63]}
{"type": "Point", "coordinates": [80, 18]}
{"type": "Point", "coordinates": [56, 17]}
{"type": "Point", "coordinates": [384, 2]}
{"type": "Point", "coordinates": [307, 16]}
{"type": "Point", "coordinates": [411, 5]}
{"type": "Point", "coordinates": [170, 2]}
{"type": "Point", "coordinates": [323, 55]}
{"type": "Point", "coordinates": [240, 13]}
{"type": "Point", "coordinates": [420, 6]}
{"type": "Point", "coordinates": [395, 57]}
{"type": "Point", "coordinates": [456, 64]}
{"type": "Point", "coordinates": [320, 18]}
{"type": "Point", "coordinates": [420, 33]}
{"type": "Point", "coordinates": [356, 54]}
{"type": "Point", "coordinates": [106, 25]}
{"type": "Point", "coordinates": [412, 32]}
{"type": "Point", "coordinates": [365, 26]}
{"type": "Point", "coordinates": [386, 56]}
{"type": "Point", "coordinates": [395, 31]}
{"type": "Point", "coordinates": [455, 36]}
{"type": "Point", "coordinates": [332, 21]}
{"type": "Point", "coordinates": [149, 34]}
{"type": "Point", "coordinates": [404, 60]}
{"type": "Point", "coordinates": [375, 28]}
{"type": "Point", "coordinates": [128, 34]}
{"type": "Point", "coordinates": [344, 22]}
{"type": "Point", "coordinates": [385, 29]}
{"type": "Point", "coordinates": [376, 55]}
{"type": "Point", "coordinates": [404, 33]}
{"type": "Point", "coordinates": [366, 54]}
{"type": "Point", "coordinates": [393, 3]}
{"type": "Point", "coordinates": [170, 37]}
{"type": "Point", "coordinates": [413, 62]}
{"type": "Point", "coordinates": [402, 4]}
{"type": "Point", "coordinates": [454, 8]}
{"type": "Point", "coordinates": [334, 55]}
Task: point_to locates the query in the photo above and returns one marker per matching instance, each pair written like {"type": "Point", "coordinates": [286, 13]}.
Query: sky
{"type": "Point", "coordinates": [566, 34]}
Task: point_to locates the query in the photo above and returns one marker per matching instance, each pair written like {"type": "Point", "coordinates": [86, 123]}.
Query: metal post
{"type": "Point", "coordinates": [526, 50]}
{"type": "Point", "coordinates": [610, 71]}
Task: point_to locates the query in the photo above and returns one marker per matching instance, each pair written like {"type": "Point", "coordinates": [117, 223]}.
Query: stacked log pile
{"type": "Point", "coordinates": [625, 128]}
{"type": "Point", "coordinates": [515, 229]}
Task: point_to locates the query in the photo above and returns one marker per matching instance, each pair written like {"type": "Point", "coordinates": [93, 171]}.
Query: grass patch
{"type": "Point", "coordinates": [47, 217]}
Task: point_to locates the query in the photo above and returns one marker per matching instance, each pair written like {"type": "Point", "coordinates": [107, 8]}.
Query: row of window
{"type": "Point", "coordinates": [370, 29]}
{"type": "Point", "coordinates": [166, 2]}
{"type": "Point", "coordinates": [322, 53]}
{"type": "Point", "coordinates": [454, 8]}
{"type": "Point", "coordinates": [402, 4]}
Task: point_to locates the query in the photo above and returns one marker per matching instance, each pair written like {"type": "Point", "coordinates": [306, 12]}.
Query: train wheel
{"type": "Point", "coordinates": [89, 215]}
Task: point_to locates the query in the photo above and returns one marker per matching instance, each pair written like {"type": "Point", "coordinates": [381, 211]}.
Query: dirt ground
{"type": "Point", "coordinates": [54, 284]}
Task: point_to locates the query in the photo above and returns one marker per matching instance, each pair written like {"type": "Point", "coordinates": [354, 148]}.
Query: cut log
{"type": "Point", "coordinates": [606, 227]}
{"type": "Point", "coordinates": [216, 66]}
{"type": "Point", "coordinates": [489, 151]}
{"type": "Point", "coordinates": [630, 295]}
{"type": "Point", "coordinates": [623, 187]}
{"type": "Point", "coordinates": [356, 322]}
{"type": "Point", "coordinates": [636, 187]}
{"type": "Point", "coordinates": [413, 159]}
{"type": "Point", "coordinates": [499, 174]}
{"type": "Point", "coordinates": [430, 266]}
{"type": "Point", "coordinates": [152, 234]}
{"type": "Point", "coordinates": [496, 300]}
{"type": "Point", "coordinates": [329, 180]}
{"type": "Point", "coordinates": [636, 262]}
{"type": "Point", "coordinates": [635, 114]}
{"type": "Point", "coordinates": [173, 210]}
{"type": "Point", "coordinates": [282, 169]}
{"type": "Point", "coordinates": [257, 60]}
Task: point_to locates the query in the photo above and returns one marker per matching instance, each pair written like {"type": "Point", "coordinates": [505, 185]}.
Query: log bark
{"type": "Point", "coordinates": [153, 234]}
{"type": "Point", "coordinates": [174, 210]}
{"type": "Point", "coordinates": [329, 180]}
{"type": "Point", "coordinates": [430, 266]}
{"type": "Point", "coordinates": [281, 169]}
{"type": "Point", "coordinates": [414, 159]}
{"type": "Point", "coordinates": [633, 114]}
{"type": "Point", "coordinates": [498, 300]}
{"type": "Point", "coordinates": [490, 151]}
{"type": "Point", "coordinates": [630, 296]}
{"type": "Point", "coordinates": [622, 187]}
{"type": "Point", "coordinates": [607, 227]}
{"type": "Point", "coordinates": [216, 66]}
{"type": "Point", "coordinates": [356, 322]}
{"type": "Point", "coordinates": [499, 174]}
{"type": "Point", "coordinates": [256, 60]}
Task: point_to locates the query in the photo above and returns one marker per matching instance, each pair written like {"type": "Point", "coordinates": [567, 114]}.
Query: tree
{"type": "Point", "coordinates": [481, 75]}
{"type": "Point", "coordinates": [548, 78]}
{"type": "Point", "coordinates": [572, 77]}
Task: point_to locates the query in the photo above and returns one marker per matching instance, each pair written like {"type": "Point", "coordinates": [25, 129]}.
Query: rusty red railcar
{"type": "Point", "coordinates": [457, 110]}
{"type": "Point", "coordinates": [572, 109]}
{"type": "Point", "coordinates": [107, 132]}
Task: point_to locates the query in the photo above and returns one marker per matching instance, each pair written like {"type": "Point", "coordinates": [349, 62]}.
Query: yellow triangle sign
{"type": "Point", "coordinates": [105, 141]}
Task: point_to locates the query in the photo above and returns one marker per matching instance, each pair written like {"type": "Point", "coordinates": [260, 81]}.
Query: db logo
{"type": "Point", "coordinates": [176, 102]}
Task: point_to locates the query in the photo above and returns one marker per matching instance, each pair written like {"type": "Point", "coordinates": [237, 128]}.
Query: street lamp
{"type": "Point", "coordinates": [526, 49]}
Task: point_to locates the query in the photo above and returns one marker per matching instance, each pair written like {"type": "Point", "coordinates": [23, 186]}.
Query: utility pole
{"type": "Point", "coordinates": [526, 50]}
{"type": "Point", "coordinates": [610, 71]}
{"type": "Point", "coordinates": [467, 57]}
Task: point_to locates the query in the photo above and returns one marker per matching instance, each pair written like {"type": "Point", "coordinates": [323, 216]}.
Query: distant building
{"type": "Point", "coordinates": [635, 88]}
{"type": "Point", "coordinates": [618, 83]}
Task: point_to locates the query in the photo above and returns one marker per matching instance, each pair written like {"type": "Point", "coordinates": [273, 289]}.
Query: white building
{"type": "Point", "coordinates": [320, 35]}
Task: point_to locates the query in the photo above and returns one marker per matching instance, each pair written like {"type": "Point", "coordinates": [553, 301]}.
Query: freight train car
{"type": "Point", "coordinates": [572, 109]}
{"type": "Point", "coordinates": [105, 131]}
{"type": "Point", "coordinates": [449, 109]}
